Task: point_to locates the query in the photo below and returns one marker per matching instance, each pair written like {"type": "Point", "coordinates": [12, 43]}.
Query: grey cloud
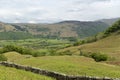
{"type": "Point", "coordinates": [55, 10]}
{"type": "Point", "coordinates": [89, 1]}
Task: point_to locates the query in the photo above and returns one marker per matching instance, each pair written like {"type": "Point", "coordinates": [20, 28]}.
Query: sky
{"type": "Point", "coordinates": [49, 11]}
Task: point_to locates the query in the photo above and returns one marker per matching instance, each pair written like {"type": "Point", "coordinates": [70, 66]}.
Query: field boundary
{"type": "Point", "coordinates": [56, 75]}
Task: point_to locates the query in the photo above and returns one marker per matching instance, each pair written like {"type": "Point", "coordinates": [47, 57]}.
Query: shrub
{"type": "Point", "coordinates": [68, 52]}
{"type": "Point", "coordinates": [1, 51]}
{"type": "Point", "coordinates": [79, 43]}
{"type": "Point", "coordinates": [99, 57]}
{"type": "Point", "coordinates": [3, 58]}
{"type": "Point", "coordinates": [37, 54]}
{"type": "Point", "coordinates": [68, 46]}
{"type": "Point", "coordinates": [52, 52]}
{"type": "Point", "coordinates": [96, 56]}
{"type": "Point", "coordinates": [86, 54]}
{"type": "Point", "coordinates": [91, 39]}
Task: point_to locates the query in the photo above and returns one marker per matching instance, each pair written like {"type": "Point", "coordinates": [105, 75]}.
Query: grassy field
{"type": "Point", "coordinates": [72, 65]}
{"type": "Point", "coordinates": [37, 44]}
{"type": "Point", "coordinates": [75, 65]}
{"type": "Point", "coordinates": [14, 74]}
{"type": "Point", "coordinates": [109, 45]}
{"type": "Point", "coordinates": [13, 56]}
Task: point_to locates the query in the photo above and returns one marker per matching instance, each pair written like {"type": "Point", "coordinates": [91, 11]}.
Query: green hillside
{"type": "Point", "coordinates": [109, 45]}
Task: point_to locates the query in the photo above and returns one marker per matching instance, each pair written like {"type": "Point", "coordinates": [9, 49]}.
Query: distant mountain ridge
{"type": "Point", "coordinates": [63, 29]}
{"type": "Point", "coordinates": [109, 21]}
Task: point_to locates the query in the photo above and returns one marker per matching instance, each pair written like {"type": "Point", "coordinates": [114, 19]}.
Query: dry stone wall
{"type": "Point", "coordinates": [57, 76]}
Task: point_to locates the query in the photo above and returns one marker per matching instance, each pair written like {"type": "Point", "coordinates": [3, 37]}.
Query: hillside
{"type": "Point", "coordinates": [109, 21]}
{"type": "Point", "coordinates": [70, 65]}
{"type": "Point", "coordinates": [109, 45]}
{"type": "Point", "coordinates": [6, 27]}
{"type": "Point", "coordinates": [64, 29]}
{"type": "Point", "coordinates": [7, 31]}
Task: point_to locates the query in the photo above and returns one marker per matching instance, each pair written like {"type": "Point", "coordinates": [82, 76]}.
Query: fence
{"type": "Point", "coordinates": [57, 76]}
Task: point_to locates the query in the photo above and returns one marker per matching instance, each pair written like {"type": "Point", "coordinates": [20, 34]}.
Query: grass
{"type": "Point", "coordinates": [109, 45]}
{"type": "Point", "coordinates": [78, 65]}
{"type": "Point", "coordinates": [37, 43]}
{"type": "Point", "coordinates": [13, 56]}
{"type": "Point", "coordinates": [14, 74]}
{"type": "Point", "coordinates": [72, 65]}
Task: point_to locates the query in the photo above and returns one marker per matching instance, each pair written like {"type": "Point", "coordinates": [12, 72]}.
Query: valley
{"type": "Point", "coordinates": [61, 54]}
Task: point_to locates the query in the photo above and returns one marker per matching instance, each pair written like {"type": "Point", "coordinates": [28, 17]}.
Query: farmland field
{"type": "Point", "coordinates": [14, 74]}
{"type": "Point", "coordinates": [72, 65]}
{"type": "Point", "coordinates": [37, 43]}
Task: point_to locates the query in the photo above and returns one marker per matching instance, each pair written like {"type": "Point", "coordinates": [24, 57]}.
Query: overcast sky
{"type": "Point", "coordinates": [34, 11]}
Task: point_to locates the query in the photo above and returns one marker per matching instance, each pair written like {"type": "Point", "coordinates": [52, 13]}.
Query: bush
{"type": "Point", "coordinates": [37, 54]}
{"type": "Point", "coordinates": [79, 43]}
{"type": "Point", "coordinates": [99, 57]}
{"type": "Point", "coordinates": [96, 56]}
{"type": "Point", "coordinates": [2, 58]}
{"type": "Point", "coordinates": [52, 52]}
{"type": "Point", "coordinates": [68, 52]}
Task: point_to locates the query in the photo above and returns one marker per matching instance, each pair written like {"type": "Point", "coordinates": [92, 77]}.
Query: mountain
{"type": "Point", "coordinates": [64, 29]}
{"type": "Point", "coordinates": [6, 27]}
{"type": "Point", "coordinates": [109, 21]}
{"type": "Point", "coordinates": [7, 31]}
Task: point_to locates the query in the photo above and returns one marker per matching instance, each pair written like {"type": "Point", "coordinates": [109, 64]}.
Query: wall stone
{"type": "Point", "coordinates": [57, 76]}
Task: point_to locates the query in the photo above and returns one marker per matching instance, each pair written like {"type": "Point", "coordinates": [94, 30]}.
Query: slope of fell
{"type": "Point", "coordinates": [72, 65]}
{"type": "Point", "coordinates": [109, 45]}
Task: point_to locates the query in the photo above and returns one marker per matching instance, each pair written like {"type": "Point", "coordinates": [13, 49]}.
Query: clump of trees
{"type": "Point", "coordinates": [35, 53]}
{"type": "Point", "coordinates": [87, 40]}
{"type": "Point", "coordinates": [26, 51]}
{"type": "Point", "coordinates": [115, 27]}
{"type": "Point", "coordinates": [18, 49]}
{"type": "Point", "coordinates": [21, 50]}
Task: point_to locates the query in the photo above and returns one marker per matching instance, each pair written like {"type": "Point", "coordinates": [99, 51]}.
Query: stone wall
{"type": "Point", "coordinates": [57, 76]}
